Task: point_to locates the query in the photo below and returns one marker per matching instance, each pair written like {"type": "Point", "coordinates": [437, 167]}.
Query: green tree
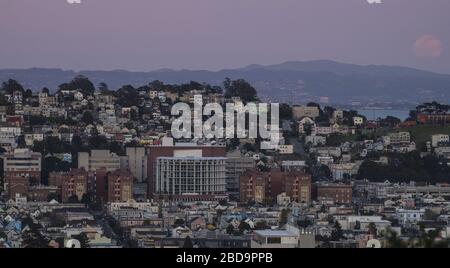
{"type": "Point", "coordinates": [230, 229]}
{"type": "Point", "coordinates": [77, 144]}
{"type": "Point", "coordinates": [393, 241]}
{"type": "Point", "coordinates": [33, 238]}
{"type": "Point", "coordinates": [372, 229]}
{"type": "Point", "coordinates": [431, 239]}
{"type": "Point", "coordinates": [21, 141]}
{"type": "Point", "coordinates": [103, 88]}
{"type": "Point", "coordinates": [28, 94]}
{"type": "Point", "coordinates": [243, 226]}
{"type": "Point", "coordinates": [81, 83]}
{"type": "Point", "coordinates": [285, 111]}
{"type": "Point", "coordinates": [86, 199]}
{"type": "Point", "coordinates": [52, 196]}
{"type": "Point", "coordinates": [430, 215]}
{"type": "Point", "coordinates": [98, 142]}
{"type": "Point", "coordinates": [53, 164]}
{"type": "Point", "coordinates": [240, 88]}
{"type": "Point", "coordinates": [390, 121]}
{"type": "Point", "coordinates": [73, 199]}
{"type": "Point", "coordinates": [87, 118]}
{"type": "Point", "coordinates": [127, 96]}
{"type": "Point", "coordinates": [308, 128]}
{"type": "Point", "coordinates": [12, 85]}
{"type": "Point", "coordinates": [284, 216]}
{"type": "Point", "coordinates": [2, 235]}
{"type": "Point", "coordinates": [179, 222]}
{"type": "Point", "coordinates": [84, 240]}
{"type": "Point", "coordinates": [261, 225]}
{"type": "Point", "coordinates": [188, 242]}
{"type": "Point", "coordinates": [304, 223]}
{"type": "Point", "coordinates": [336, 234]}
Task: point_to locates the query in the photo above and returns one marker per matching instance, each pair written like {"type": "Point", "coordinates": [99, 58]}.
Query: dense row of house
{"type": "Point", "coordinates": [155, 191]}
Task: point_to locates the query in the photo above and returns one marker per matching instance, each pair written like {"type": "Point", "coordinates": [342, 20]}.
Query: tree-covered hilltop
{"type": "Point", "coordinates": [81, 83]}
{"type": "Point", "coordinates": [340, 82]}
{"type": "Point", "coordinates": [128, 95]}
{"type": "Point", "coordinates": [240, 88]}
{"type": "Point", "coordinates": [406, 168]}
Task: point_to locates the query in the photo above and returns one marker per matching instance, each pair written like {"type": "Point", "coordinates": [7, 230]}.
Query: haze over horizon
{"type": "Point", "coordinates": [244, 67]}
{"type": "Point", "coordinates": [145, 35]}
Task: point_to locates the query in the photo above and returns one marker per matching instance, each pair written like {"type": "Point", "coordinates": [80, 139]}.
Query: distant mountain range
{"type": "Point", "coordinates": [295, 81]}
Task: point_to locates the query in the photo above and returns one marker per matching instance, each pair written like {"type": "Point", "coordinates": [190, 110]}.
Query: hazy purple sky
{"type": "Point", "coordinates": [215, 34]}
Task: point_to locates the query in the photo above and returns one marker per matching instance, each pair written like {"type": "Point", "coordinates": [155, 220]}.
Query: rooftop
{"type": "Point", "coordinates": [274, 233]}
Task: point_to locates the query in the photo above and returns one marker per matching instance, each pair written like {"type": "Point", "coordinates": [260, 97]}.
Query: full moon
{"type": "Point", "coordinates": [428, 46]}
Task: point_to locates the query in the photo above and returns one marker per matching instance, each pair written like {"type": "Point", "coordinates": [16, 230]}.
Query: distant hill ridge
{"type": "Point", "coordinates": [338, 81]}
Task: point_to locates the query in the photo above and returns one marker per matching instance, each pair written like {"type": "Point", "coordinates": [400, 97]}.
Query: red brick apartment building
{"type": "Point", "coordinates": [339, 193]}
{"type": "Point", "coordinates": [72, 183]}
{"type": "Point", "coordinates": [102, 186]}
{"type": "Point", "coordinates": [17, 185]}
{"type": "Point", "coordinates": [262, 186]}
{"type": "Point", "coordinates": [120, 186]}
{"type": "Point", "coordinates": [434, 119]}
{"type": "Point", "coordinates": [21, 169]}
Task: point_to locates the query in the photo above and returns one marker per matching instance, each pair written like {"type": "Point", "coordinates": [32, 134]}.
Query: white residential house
{"type": "Point", "coordinates": [358, 121]}
{"type": "Point", "coordinates": [442, 152]}
{"type": "Point", "coordinates": [283, 199]}
{"type": "Point", "coordinates": [324, 130]}
{"type": "Point", "coordinates": [410, 215]}
{"type": "Point", "coordinates": [400, 137]}
{"type": "Point", "coordinates": [286, 149]}
{"type": "Point", "coordinates": [440, 139]}
{"type": "Point", "coordinates": [153, 94]}
{"type": "Point", "coordinates": [292, 237]}
{"type": "Point", "coordinates": [325, 160]}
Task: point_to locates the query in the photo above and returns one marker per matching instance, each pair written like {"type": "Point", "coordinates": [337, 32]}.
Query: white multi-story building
{"type": "Point", "coordinates": [8, 140]}
{"type": "Point", "coordinates": [400, 138]}
{"type": "Point", "coordinates": [16, 131]}
{"type": "Point", "coordinates": [286, 149]}
{"type": "Point", "coordinates": [440, 139]}
{"type": "Point", "coordinates": [190, 177]}
{"type": "Point", "coordinates": [324, 130]}
{"type": "Point", "coordinates": [410, 216]}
